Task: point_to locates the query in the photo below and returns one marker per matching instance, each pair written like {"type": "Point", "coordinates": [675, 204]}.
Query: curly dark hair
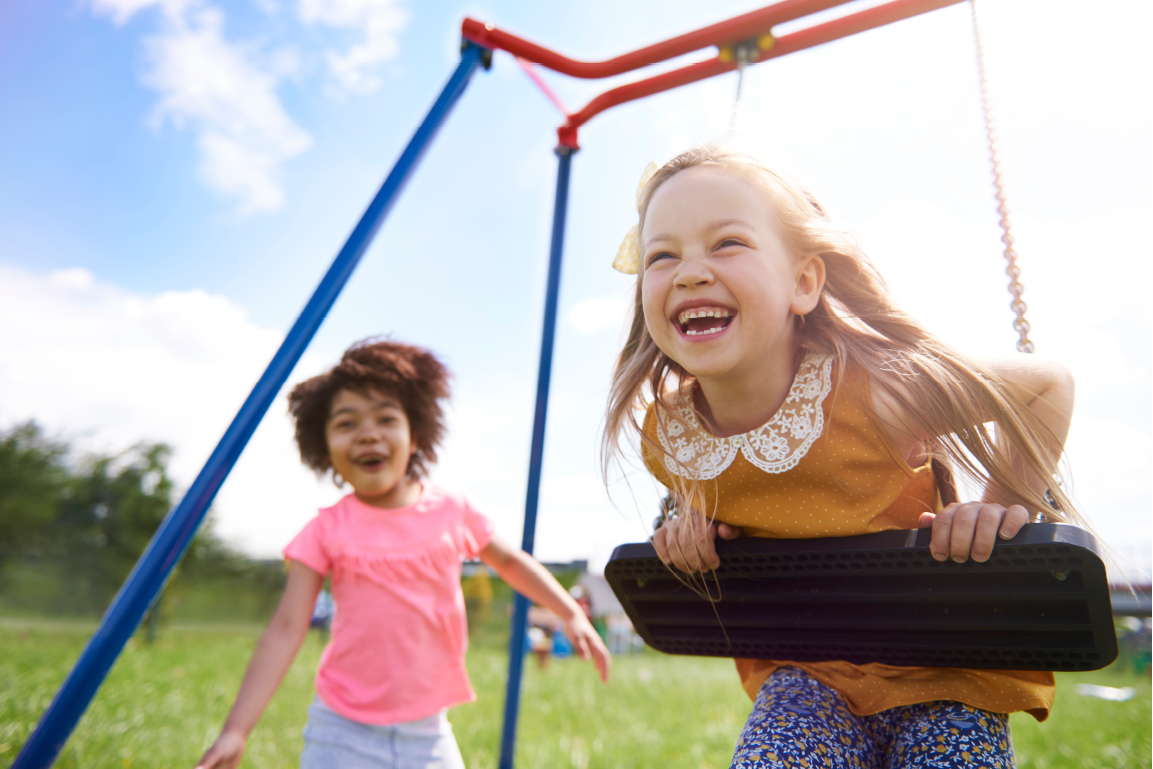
{"type": "Point", "coordinates": [412, 375]}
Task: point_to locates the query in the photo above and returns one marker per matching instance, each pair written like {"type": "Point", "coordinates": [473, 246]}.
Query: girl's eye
{"type": "Point", "coordinates": [658, 257]}
{"type": "Point", "coordinates": [729, 242]}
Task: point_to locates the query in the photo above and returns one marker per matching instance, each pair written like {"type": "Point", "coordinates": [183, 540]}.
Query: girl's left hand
{"type": "Point", "coordinates": [587, 644]}
{"type": "Point", "coordinates": [961, 531]}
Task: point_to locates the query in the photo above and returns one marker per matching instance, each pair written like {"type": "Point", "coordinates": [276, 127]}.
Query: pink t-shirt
{"type": "Point", "coordinates": [399, 633]}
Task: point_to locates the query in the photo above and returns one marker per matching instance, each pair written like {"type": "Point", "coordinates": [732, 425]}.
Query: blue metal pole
{"type": "Point", "coordinates": [548, 336]}
{"type": "Point", "coordinates": [178, 528]}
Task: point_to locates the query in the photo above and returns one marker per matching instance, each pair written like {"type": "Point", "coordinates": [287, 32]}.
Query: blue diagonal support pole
{"type": "Point", "coordinates": [532, 497]}
{"type": "Point", "coordinates": [178, 529]}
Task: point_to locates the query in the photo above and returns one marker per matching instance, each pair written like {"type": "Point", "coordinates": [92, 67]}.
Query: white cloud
{"type": "Point", "coordinates": [223, 92]}
{"type": "Point", "coordinates": [381, 21]}
{"type": "Point", "coordinates": [108, 368]}
{"type": "Point", "coordinates": [244, 132]}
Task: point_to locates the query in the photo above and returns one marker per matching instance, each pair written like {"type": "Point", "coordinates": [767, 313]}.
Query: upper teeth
{"type": "Point", "coordinates": [710, 313]}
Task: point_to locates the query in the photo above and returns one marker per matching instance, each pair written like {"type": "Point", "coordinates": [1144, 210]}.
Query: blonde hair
{"type": "Point", "coordinates": [871, 340]}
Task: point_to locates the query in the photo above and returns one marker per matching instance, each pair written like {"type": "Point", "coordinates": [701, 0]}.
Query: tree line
{"type": "Point", "coordinates": [72, 525]}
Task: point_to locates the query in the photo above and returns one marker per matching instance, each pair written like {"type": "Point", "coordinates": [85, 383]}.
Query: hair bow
{"type": "Point", "coordinates": [628, 258]}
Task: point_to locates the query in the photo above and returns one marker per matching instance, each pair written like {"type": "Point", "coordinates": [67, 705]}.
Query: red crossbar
{"type": "Point", "coordinates": [735, 30]}
{"type": "Point", "coordinates": [723, 33]}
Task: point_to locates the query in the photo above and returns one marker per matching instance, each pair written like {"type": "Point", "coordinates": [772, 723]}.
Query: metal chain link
{"type": "Point", "coordinates": [744, 54]}
{"type": "Point", "coordinates": [1020, 325]}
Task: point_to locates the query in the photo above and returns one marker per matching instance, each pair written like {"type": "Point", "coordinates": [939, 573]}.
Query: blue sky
{"type": "Point", "coordinates": [176, 175]}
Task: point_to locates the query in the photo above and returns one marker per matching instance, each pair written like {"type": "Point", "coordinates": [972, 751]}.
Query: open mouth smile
{"type": "Point", "coordinates": [704, 321]}
{"type": "Point", "coordinates": [371, 462]}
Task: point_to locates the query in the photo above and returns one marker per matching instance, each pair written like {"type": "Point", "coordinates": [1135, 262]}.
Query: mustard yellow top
{"type": "Point", "coordinates": [821, 467]}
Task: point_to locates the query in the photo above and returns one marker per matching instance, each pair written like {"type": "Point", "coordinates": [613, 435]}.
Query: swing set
{"type": "Point", "coordinates": [1016, 582]}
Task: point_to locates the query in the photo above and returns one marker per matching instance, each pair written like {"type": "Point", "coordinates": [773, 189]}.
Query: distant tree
{"type": "Point", "coordinates": [34, 480]}
{"type": "Point", "coordinates": [116, 505]}
{"type": "Point", "coordinates": [81, 524]}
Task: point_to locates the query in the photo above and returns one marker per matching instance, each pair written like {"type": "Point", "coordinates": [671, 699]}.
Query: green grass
{"type": "Point", "coordinates": [1085, 732]}
{"type": "Point", "coordinates": [163, 704]}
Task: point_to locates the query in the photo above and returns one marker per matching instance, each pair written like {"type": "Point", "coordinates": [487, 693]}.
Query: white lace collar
{"type": "Point", "coordinates": [775, 447]}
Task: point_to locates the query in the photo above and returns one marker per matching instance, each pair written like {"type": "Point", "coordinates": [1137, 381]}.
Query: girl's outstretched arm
{"type": "Point", "coordinates": [270, 660]}
{"type": "Point", "coordinates": [526, 576]}
{"type": "Point", "coordinates": [1048, 391]}
{"type": "Point", "coordinates": [961, 531]}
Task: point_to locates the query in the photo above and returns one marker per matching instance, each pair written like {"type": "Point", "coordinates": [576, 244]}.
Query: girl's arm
{"type": "Point", "coordinates": [270, 661]}
{"type": "Point", "coordinates": [1047, 389]}
{"type": "Point", "coordinates": [961, 531]}
{"type": "Point", "coordinates": [526, 576]}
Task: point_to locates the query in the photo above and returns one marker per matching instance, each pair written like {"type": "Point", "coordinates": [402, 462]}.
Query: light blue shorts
{"type": "Point", "coordinates": [332, 741]}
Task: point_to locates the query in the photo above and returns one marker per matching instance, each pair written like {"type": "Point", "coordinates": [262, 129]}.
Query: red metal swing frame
{"type": "Point", "coordinates": [754, 27]}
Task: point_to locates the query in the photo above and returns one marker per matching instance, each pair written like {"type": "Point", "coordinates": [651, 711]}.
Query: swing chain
{"type": "Point", "coordinates": [1016, 289]}
{"type": "Point", "coordinates": [744, 53]}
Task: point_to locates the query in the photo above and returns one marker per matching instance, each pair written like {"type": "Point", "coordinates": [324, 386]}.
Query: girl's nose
{"type": "Point", "coordinates": [368, 433]}
{"type": "Point", "coordinates": [692, 272]}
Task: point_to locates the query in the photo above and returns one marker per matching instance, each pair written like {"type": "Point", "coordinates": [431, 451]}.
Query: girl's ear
{"type": "Point", "coordinates": [810, 283]}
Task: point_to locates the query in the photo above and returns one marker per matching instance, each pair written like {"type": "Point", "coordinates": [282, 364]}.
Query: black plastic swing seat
{"type": "Point", "coordinates": [1041, 602]}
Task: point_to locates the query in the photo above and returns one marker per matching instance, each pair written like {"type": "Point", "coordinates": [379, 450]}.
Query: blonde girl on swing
{"type": "Point", "coordinates": [785, 394]}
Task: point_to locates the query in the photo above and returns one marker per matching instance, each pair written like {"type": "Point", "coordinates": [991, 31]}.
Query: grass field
{"type": "Point", "coordinates": [163, 704]}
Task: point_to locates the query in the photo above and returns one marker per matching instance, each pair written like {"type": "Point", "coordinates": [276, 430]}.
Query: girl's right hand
{"type": "Point", "coordinates": [225, 753]}
{"type": "Point", "coordinates": [688, 542]}
{"type": "Point", "coordinates": [964, 531]}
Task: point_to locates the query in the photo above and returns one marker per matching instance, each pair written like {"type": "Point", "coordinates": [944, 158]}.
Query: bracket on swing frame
{"type": "Point", "coordinates": [1041, 601]}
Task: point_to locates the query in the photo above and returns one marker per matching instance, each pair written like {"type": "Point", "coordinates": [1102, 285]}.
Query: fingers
{"type": "Point", "coordinates": [1015, 517]}
{"type": "Point", "coordinates": [588, 645]}
{"type": "Point", "coordinates": [225, 753]}
{"type": "Point", "coordinates": [675, 548]}
{"type": "Point", "coordinates": [686, 542]}
{"type": "Point", "coordinates": [677, 552]}
{"type": "Point", "coordinates": [939, 542]}
{"type": "Point", "coordinates": [964, 525]}
{"type": "Point", "coordinates": [706, 550]}
{"type": "Point", "coordinates": [725, 531]}
{"type": "Point", "coordinates": [660, 542]}
{"type": "Point", "coordinates": [969, 530]}
{"type": "Point", "coordinates": [985, 532]}
{"type": "Point", "coordinates": [684, 547]}
{"type": "Point", "coordinates": [601, 657]}
{"type": "Point", "coordinates": [926, 521]}
{"type": "Point", "coordinates": [210, 760]}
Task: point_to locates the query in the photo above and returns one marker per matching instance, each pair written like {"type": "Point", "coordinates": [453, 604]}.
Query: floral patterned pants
{"type": "Point", "coordinates": [799, 722]}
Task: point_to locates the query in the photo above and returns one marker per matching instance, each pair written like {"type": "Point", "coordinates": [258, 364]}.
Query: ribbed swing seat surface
{"type": "Point", "coordinates": [1041, 602]}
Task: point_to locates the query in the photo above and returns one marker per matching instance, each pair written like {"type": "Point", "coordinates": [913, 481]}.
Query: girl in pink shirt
{"type": "Point", "coordinates": [393, 549]}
